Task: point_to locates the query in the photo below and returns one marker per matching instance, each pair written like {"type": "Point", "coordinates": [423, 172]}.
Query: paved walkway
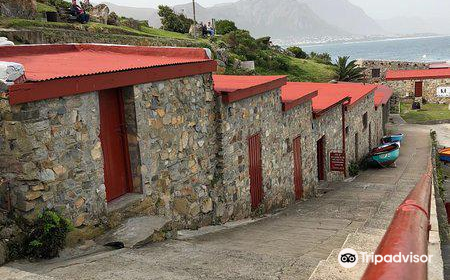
{"type": "Point", "coordinates": [288, 245]}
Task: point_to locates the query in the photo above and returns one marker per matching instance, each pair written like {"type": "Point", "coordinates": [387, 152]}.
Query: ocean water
{"type": "Point", "coordinates": [427, 49]}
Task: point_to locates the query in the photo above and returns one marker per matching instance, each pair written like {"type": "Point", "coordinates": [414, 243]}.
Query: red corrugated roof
{"type": "Point", "coordinates": [90, 67]}
{"type": "Point", "coordinates": [48, 62]}
{"type": "Point", "coordinates": [382, 95]}
{"type": "Point", "coordinates": [438, 65]}
{"type": "Point", "coordinates": [329, 95]}
{"type": "Point", "coordinates": [293, 94]}
{"type": "Point", "coordinates": [418, 74]}
{"type": "Point", "coordinates": [235, 88]}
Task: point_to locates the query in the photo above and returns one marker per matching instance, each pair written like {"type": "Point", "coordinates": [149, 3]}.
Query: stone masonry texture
{"type": "Point", "coordinates": [406, 88]}
{"type": "Point", "coordinates": [188, 151]}
{"type": "Point", "coordinates": [51, 156]}
{"type": "Point", "coordinates": [357, 140]}
{"type": "Point", "coordinates": [329, 125]}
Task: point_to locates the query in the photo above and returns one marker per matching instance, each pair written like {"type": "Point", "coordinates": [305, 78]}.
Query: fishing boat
{"type": "Point", "coordinates": [385, 155]}
{"type": "Point", "coordinates": [392, 138]}
{"type": "Point", "coordinates": [444, 155]}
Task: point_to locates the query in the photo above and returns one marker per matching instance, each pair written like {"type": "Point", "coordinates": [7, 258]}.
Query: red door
{"type": "Point", "coordinates": [298, 178]}
{"type": "Point", "coordinates": [114, 143]}
{"type": "Point", "coordinates": [321, 158]}
{"type": "Point", "coordinates": [255, 169]}
{"type": "Point", "coordinates": [419, 89]}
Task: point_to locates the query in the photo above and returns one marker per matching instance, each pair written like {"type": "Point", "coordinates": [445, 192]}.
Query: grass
{"type": "Point", "coordinates": [303, 70]}
{"type": "Point", "coordinates": [429, 112]}
{"type": "Point", "coordinates": [42, 8]}
{"type": "Point", "coordinates": [91, 27]}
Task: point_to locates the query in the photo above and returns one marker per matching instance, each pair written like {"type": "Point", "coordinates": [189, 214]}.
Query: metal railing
{"type": "Point", "coordinates": [407, 234]}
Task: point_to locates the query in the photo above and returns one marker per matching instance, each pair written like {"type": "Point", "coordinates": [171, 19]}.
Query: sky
{"type": "Point", "coordinates": [378, 9]}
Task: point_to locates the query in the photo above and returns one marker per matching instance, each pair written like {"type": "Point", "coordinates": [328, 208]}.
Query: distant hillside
{"type": "Point", "coordinates": [279, 19]}
{"type": "Point", "coordinates": [137, 13]}
{"type": "Point", "coordinates": [346, 16]}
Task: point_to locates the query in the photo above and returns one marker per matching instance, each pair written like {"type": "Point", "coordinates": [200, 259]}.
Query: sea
{"type": "Point", "coordinates": [422, 49]}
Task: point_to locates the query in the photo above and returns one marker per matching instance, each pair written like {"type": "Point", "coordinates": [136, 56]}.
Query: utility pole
{"type": "Point", "coordinates": [195, 20]}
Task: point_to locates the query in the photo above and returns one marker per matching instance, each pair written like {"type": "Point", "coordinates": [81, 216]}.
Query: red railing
{"type": "Point", "coordinates": [407, 234]}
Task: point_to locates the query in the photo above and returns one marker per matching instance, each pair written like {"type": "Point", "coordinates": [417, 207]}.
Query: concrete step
{"type": "Point", "coordinates": [331, 269]}
{"type": "Point", "coordinates": [139, 231]}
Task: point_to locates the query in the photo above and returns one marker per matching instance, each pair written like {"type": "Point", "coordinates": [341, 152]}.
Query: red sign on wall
{"type": "Point", "coordinates": [337, 161]}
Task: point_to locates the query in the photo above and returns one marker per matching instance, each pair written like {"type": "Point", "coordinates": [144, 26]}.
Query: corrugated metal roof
{"type": "Point", "coordinates": [382, 95]}
{"type": "Point", "coordinates": [329, 94]}
{"type": "Point", "coordinates": [235, 88]}
{"type": "Point", "coordinates": [418, 74]}
{"type": "Point", "coordinates": [438, 65]}
{"type": "Point", "coordinates": [49, 62]}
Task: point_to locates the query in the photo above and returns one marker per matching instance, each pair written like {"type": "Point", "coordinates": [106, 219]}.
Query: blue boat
{"type": "Point", "coordinates": [385, 156]}
{"type": "Point", "coordinates": [392, 138]}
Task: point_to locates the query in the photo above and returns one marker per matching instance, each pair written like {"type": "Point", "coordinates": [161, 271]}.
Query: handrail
{"type": "Point", "coordinates": [407, 234]}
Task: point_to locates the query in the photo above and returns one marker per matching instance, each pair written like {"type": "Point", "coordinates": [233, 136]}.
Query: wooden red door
{"type": "Point", "coordinates": [114, 144]}
{"type": "Point", "coordinates": [298, 178]}
{"type": "Point", "coordinates": [255, 169]}
{"type": "Point", "coordinates": [418, 89]}
{"type": "Point", "coordinates": [321, 158]}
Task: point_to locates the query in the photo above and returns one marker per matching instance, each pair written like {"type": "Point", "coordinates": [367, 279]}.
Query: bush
{"type": "Point", "coordinates": [47, 236]}
{"type": "Point", "coordinates": [324, 58]}
{"type": "Point", "coordinates": [298, 52]}
{"type": "Point", "coordinates": [225, 26]}
{"type": "Point", "coordinates": [353, 169]}
{"type": "Point", "coordinates": [172, 22]}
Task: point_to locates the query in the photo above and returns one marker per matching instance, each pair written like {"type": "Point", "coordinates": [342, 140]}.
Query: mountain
{"type": "Point", "coordinates": [345, 15]}
{"type": "Point", "coordinates": [278, 19]}
{"type": "Point", "coordinates": [137, 13]}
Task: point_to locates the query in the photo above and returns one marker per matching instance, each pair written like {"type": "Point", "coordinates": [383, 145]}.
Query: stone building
{"type": "Point", "coordinates": [375, 70]}
{"type": "Point", "coordinates": [327, 128]}
{"type": "Point", "coordinates": [269, 137]}
{"type": "Point", "coordinates": [383, 95]}
{"type": "Point", "coordinates": [431, 85]}
{"type": "Point", "coordinates": [130, 131]}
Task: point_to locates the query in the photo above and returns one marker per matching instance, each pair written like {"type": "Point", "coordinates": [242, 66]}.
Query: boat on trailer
{"type": "Point", "coordinates": [385, 155]}
{"type": "Point", "coordinates": [444, 155]}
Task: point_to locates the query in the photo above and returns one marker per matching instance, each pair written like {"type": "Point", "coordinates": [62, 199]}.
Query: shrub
{"type": "Point", "coordinates": [298, 52]}
{"type": "Point", "coordinates": [172, 22]}
{"type": "Point", "coordinates": [353, 169]}
{"type": "Point", "coordinates": [324, 58]}
{"type": "Point", "coordinates": [47, 236]}
{"type": "Point", "coordinates": [225, 26]}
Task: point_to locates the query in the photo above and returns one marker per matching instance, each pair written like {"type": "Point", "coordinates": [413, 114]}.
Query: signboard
{"type": "Point", "coordinates": [443, 91]}
{"type": "Point", "coordinates": [337, 161]}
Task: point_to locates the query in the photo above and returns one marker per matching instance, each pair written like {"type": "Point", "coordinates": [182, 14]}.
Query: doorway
{"type": "Point", "coordinates": [298, 178]}
{"type": "Point", "coordinates": [418, 89]}
{"type": "Point", "coordinates": [255, 170]}
{"type": "Point", "coordinates": [370, 137]}
{"type": "Point", "coordinates": [113, 136]}
{"type": "Point", "coordinates": [321, 159]}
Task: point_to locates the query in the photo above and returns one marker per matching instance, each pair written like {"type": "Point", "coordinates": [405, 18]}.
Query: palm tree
{"type": "Point", "coordinates": [348, 71]}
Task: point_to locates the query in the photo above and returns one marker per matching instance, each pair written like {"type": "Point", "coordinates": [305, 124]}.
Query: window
{"type": "Point", "coordinates": [347, 130]}
{"type": "Point", "coordinates": [365, 121]}
{"type": "Point", "coordinates": [376, 73]}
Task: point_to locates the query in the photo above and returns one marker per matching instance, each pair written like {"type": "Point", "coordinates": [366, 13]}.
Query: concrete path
{"type": "Point", "coordinates": [287, 245]}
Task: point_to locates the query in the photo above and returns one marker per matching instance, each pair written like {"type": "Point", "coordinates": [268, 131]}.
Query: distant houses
{"type": "Point", "coordinates": [151, 131]}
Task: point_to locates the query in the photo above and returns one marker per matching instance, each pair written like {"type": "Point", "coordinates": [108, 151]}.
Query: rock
{"type": "Point", "coordinates": [96, 152]}
{"type": "Point", "coordinates": [181, 205]}
{"type": "Point", "coordinates": [18, 8]}
{"type": "Point", "coordinates": [136, 232]}
{"type": "Point", "coordinates": [11, 71]}
{"type": "Point", "coordinates": [198, 30]}
{"type": "Point", "coordinates": [207, 205]}
{"type": "Point", "coordinates": [79, 220]}
{"type": "Point", "coordinates": [113, 19]}
{"type": "Point", "coordinates": [3, 86]}
{"type": "Point", "coordinates": [79, 202]}
{"type": "Point", "coordinates": [132, 23]}
{"type": "Point", "coordinates": [32, 195]}
{"type": "Point", "coordinates": [47, 175]}
{"type": "Point", "coordinates": [99, 13]}
{"type": "Point", "coordinates": [3, 253]}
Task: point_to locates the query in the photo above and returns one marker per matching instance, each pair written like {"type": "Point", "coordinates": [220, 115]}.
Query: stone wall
{"type": "Point", "coordinates": [406, 88]}
{"type": "Point", "coordinates": [18, 8]}
{"type": "Point", "coordinates": [176, 132]}
{"type": "Point", "coordinates": [385, 65]}
{"type": "Point", "coordinates": [262, 114]}
{"type": "Point", "coordinates": [51, 155]}
{"type": "Point", "coordinates": [330, 126]}
{"type": "Point", "coordinates": [354, 122]}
